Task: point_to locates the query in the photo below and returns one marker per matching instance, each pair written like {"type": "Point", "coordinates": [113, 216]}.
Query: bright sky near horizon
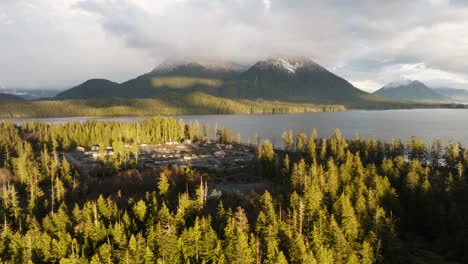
{"type": "Point", "coordinates": [59, 44]}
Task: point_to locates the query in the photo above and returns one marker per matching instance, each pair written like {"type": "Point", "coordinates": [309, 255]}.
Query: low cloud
{"type": "Point", "coordinates": [59, 43]}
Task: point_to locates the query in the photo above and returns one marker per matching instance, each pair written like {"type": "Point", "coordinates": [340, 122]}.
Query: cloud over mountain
{"type": "Point", "coordinates": [368, 42]}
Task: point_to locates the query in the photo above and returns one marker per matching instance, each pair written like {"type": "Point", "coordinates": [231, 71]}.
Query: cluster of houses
{"type": "Point", "coordinates": [94, 152]}
{"type": "Point", "coordinates": [208, 156]}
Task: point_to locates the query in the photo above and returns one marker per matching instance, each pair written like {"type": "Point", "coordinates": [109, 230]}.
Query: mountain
{"type": "Point", "coordinates": [10, 97]}
{"type": "Point", "coordinates": [296, 79]}
{"type": "Point", "coordinates": [172, 76]}
{"type": "Point", "coordinates": [459, 95]}
{"type": "Point", "coordinates": [30, 94]}
{"type": "Point", "coordinates": [411, 91]}
{"type": "Point", "coordinates": [183, 76]}
{"type": "Point", "coordinates": [286, 79]}
{"type": "Point", "coordinates": [94, 88]}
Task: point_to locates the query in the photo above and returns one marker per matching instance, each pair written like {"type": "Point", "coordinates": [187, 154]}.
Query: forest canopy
{"type": "Point", "coordinates": [330, 200]}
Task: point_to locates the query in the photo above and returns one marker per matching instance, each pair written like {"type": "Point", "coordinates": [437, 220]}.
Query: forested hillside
{"type": "Point", "coordinates": [95, 88]}
{"type": "Point", "coordinates": [170, 104]}
{"type": "Point", "coordinates": [179, 76]}
{"type": "Point", "coordinates": [329, 201]}
{"type": "Point", "coordinates": [182, 77]}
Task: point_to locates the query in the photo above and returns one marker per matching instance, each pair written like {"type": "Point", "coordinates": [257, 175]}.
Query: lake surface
{"type": "Point", "coordinates": [427, 124]}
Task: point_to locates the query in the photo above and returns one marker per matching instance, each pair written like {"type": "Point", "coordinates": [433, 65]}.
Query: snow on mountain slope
{"type": "Point", "coordinates": [289, 64]}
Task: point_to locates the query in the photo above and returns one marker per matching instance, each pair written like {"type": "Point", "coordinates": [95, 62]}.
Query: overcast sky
{"type": "Point", "coordinates": [61, 43]}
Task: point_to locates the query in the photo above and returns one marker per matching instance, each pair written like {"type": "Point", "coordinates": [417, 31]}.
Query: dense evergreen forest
{"type": "Point", "coordinates": [169, 104]}
{"type": "Point", "coordinates": [331, 200]}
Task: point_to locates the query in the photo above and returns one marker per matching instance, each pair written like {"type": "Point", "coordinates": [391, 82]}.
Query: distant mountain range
{"type": "Point", "coordinates": [459, 95]}
{"type": "Point", "coordinates": [419, 92]}
{"type": "Point", "coordinates": [287, 79]}
{"type": "Point", "coordinates": [291, 79]}
{"type": "Point", "coordinates": [170, 77]}
{"type": "Point", "coordinates": [412, 91]}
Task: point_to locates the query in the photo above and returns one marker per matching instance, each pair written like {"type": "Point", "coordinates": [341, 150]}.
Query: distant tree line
{"type": "Point", "coordinates": [170, 104]}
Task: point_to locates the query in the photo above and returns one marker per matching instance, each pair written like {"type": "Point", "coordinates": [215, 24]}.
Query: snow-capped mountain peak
{"type": "Point", "coordinates": [286, 63]}
{"type": "Point", "coordinates": [290, 64]}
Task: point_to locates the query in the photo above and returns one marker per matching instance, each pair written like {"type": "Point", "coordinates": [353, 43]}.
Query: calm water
{"type": "Point", "coordinates": [427, 124]}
